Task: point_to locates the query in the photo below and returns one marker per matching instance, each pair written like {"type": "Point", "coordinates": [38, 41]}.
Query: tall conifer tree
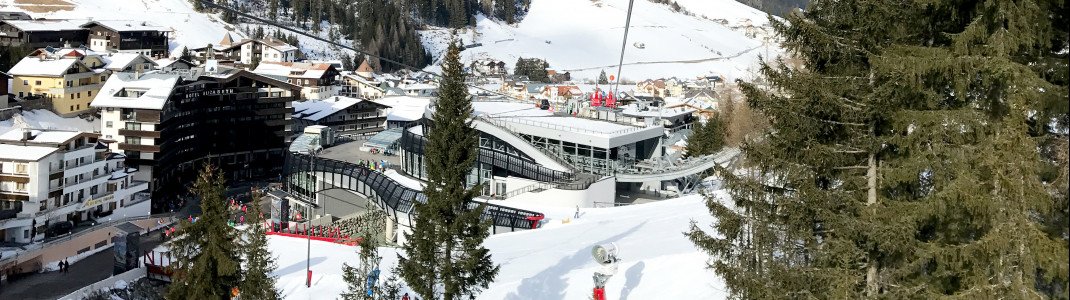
{"type": "Point", "coordinates": [445, 256]}
{"type": "Point", "coordinates": [257, 282]}
{"type": "Point", "coordinates": [205, 252]}
{"type": "Point", "coordinates": [898, 162]}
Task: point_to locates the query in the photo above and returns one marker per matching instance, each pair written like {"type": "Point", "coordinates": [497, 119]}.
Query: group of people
{"type": "Point", "coordinates": [64, 266]}
{"type": "Point", "coordinates": [374, 165]}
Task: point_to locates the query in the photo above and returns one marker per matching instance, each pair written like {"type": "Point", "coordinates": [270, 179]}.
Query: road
{"type": "Point", "coordinates": [52, 285]}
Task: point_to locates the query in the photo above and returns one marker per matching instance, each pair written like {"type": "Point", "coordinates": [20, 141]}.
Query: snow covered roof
{"type": "Point", "coordinates": [404, 108]}
{"type": "Point", "coordinates": [278, 45]}
{"type": "Point", "coordinates": [126, 90]}
{"type": "Point", "coordinates": [421, 86]}
{"type": "Point", "coordinates": [30, 66]}
{"type": "Point", "coordinates": [120, 61]}
{"type": "Point", "coordinates": [24, 153]}
{"type": "Point", "coordinates": [634, 111]}
{"type": "Point", "coordinates": [126, 25]}
{"type": "Point", "coordinates": [43, 118]}
{"type": "Point", "coordinates": [38, 136]}
{"type": "Point", "coordinates": [292, 70]}
{"type": "Point", "coordinates": [46, 25]}
{"type": "Point", "coordinates": [314, 110]}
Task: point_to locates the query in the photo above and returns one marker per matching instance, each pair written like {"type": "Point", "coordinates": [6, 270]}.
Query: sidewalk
{"type": "Point", "coordinates": [87, 271]}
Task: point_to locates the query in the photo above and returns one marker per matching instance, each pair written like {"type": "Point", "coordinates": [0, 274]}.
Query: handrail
{"type": "Point", "coordinates": [510, 131]}
{"type": "Point", "coordinates": [392, 194]}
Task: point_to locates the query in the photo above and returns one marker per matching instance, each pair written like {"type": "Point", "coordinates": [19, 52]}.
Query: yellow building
{"type": "Point", "coordinates": [70, 78]}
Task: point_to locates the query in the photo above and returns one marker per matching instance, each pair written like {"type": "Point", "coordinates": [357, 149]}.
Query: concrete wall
{"type": "Point", "coordinates": [602, 191]}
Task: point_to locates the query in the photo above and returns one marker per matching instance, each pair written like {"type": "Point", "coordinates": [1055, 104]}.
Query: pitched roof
{"type": "Point", "coordinates": [121, 90]}
{"type": "Point", "coordinates": [227, 40]}
{"type": "Point", "coordinates": [30, 66]}
{"type": "Point", "coordinates": [126, 25]}
{"type": "Point", "coordinates": [364, 67]}
{"type": "Point", "coordinates": [120, 61]}
{"type": "Point", "coordinates": [46, 25]}
{"type": "Point", "coordinates": [25, 153]}
{"type": "Point", "coordinates": [314, 110]}
{"type": "Point", "coordinates": [293, 70]}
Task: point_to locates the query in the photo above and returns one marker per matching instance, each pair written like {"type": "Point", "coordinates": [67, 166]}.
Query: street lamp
{"type": "Point", "coordinates": [313, 148]}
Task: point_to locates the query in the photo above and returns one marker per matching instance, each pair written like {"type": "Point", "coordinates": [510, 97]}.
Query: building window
{"type": "Point", "coordinates": [69, 83]}
{"type": "Point", "coordinates": [20, 168]}
{"type": "Point", "coordinates": [107, 124]}
{"type": "Point", "coordinates": [89, 93]}
{"type": "Point", "coordinates": [133, 140]}
{"type": "Point", "coordinates": [133, 126]}
{"type": "Point", "coordinates": [20, 186]}
{"type": "Point", "coordinates": [37, 82]}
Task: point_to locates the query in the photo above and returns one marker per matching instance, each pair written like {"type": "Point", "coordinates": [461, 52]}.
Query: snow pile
{"type": "Point", "coordinates": [553, 262]}
{"type": "Point", "coordinates": [191, 28]}
{"type": "Point", "coordinates": [46, 119]}
{"type": "Point", "coordinates": [584, 38]}
{"type": "Point", "coordinates": [54, 265]}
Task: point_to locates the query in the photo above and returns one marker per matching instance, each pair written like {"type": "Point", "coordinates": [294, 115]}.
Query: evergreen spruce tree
{"type": "Point", "coordinates": [257, 282]}
{"type": "Point", "coordinates": [697, 143]}
{"type": "Point", "coordinates": [356, 277]}
{"type": "Point", "coordinates": [206, 262]}
{"type": "Point", "coordinates": [273, 9]}
{"type": "Point", "coordinates": [445, 258]}
{"type": "Point", "coordinates": [317, 15]}
{"type": "Point", "coordinates": [898, 163]}
{"type": "Point", "coordinates": [602, 79]}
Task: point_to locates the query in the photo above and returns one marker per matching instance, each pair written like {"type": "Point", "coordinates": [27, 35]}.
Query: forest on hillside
{"type": "Point", "coordinates": [778, 8]}
{"type": "Point", "coordinates": [385, 28]}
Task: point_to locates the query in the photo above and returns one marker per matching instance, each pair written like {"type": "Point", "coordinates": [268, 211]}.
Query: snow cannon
{"type": "Point", "coordinates": [605, 254]}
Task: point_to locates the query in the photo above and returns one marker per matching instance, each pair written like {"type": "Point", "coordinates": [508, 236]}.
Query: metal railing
{"type": "Point", "coordinates": [388, 193]}
{"type": "Point", "coordinates": [504, 127]}
{"type": "Point", "coordinates": [54, 241]}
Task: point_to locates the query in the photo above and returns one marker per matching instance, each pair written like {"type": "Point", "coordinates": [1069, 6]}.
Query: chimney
{"type": "Point", "coordinates": [27, 134]}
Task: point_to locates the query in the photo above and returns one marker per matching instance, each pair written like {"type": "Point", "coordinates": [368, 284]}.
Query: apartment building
{"type": "Point", "coordinates": [317, 81]}
{"type": "Point", "coordinates": [70, 78]}
{"type": "Point", "coordinates": [169, 123]}
{"type": "Point", "coordinates": [50, 176]}
{"type": "Point", "coordinates": [346, 116]}
{"type": "Point", "coordinates": [33, 34]}
{"type": "Point", "coordinates": [128, 36]}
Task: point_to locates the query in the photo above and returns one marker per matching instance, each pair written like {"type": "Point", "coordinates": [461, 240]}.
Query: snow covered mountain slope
{"type": "Point", "coordinates": [554, 262]}
{"type": "Point", "coordinates": [191, 28]}
{"type": "Point", "coordinates": [584, 37]}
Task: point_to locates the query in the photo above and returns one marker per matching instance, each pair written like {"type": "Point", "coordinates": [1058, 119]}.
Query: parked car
{"type": "Point", "coordinates": [60, 228]}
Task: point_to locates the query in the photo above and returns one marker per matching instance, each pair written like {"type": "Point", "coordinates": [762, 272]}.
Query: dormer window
{"type": "Point", "coordinates": [130, 93]}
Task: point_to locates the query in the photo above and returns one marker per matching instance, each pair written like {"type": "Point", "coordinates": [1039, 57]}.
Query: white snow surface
{"type": "Point", "coordinates": [45, 119]}
{"type": "Point", "coordinates": [554, 262]}
{"type": "Point", "coordinates": [584, 38]}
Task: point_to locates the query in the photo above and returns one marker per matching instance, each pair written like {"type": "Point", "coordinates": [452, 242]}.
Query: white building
{"type": "Point", "coordinates": [317, 81]}
{"type": "Point", "coordinates": [48, 177]}
{"type": "Point", "coordinates": [268, 49]}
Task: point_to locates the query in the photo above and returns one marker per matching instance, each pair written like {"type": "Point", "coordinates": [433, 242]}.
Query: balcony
{"type": "Point", "coordinates": [139, 133]}
{"type": "Point", "coordinates": [142, 148]}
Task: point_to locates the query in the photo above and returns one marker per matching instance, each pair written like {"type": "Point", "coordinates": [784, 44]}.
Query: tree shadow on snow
{"type": "Point", "coordinates": [632, 278]}
{"type": "Point", "coordinates": [551, 283]}
{"type": "Point", "coordinates": [300, 266]}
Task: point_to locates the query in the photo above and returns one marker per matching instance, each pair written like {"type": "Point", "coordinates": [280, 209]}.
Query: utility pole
{"type": "Point", "coordinates": [312, 150]}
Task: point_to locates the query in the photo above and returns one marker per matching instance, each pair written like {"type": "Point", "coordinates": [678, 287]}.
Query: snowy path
{"type": "Point", "coordinates": [553, 262]}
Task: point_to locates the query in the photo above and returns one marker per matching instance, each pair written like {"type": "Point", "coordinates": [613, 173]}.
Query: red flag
{"type": "Point", "coordinates": [610, 102]}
